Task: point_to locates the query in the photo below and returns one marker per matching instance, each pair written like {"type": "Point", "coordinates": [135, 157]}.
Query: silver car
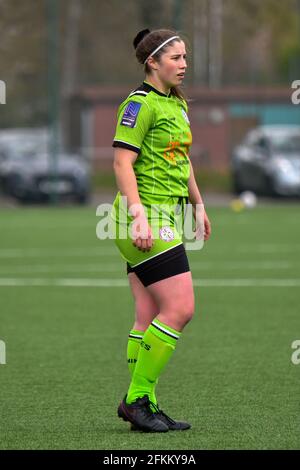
{"type": "Point", "coordinates": [268, 161]}
{"type": "Point", "coordinates": [28, 174]}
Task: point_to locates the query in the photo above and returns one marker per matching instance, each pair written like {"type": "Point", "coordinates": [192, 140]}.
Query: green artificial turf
{"type": "Point", "coordinates": [65, 373]}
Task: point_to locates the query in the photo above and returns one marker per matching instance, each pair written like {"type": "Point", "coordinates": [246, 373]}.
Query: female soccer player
{"type": "Point", "coordinates": [153, 171]}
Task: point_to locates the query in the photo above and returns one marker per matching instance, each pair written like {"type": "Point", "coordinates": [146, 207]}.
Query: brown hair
{"type": "Point", "coordinates": [146, 42]}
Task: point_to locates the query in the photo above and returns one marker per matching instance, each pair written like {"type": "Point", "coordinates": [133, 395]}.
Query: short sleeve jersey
{"type": "Point", "coordinates": [156, 126]}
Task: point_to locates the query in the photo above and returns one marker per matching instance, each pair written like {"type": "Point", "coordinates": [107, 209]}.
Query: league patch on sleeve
{"type": "Point", "coordinates": [130, 114]}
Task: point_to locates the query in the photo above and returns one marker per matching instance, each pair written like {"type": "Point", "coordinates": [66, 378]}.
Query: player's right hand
{"type": "Point", "coordinates": [142, 236]}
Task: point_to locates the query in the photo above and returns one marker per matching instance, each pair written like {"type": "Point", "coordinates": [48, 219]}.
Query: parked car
{"type": "Point", "coordinates": [268, 161]}
{"type": "Point", "coordinates": [27, 172]}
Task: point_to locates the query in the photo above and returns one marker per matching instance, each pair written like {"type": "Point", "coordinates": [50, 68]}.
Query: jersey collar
{"type": "Point", "coordinates": [151, 88]}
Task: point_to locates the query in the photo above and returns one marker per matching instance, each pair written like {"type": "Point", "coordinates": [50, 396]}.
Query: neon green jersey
{"type": "Point", "coordinates": [156, 126]}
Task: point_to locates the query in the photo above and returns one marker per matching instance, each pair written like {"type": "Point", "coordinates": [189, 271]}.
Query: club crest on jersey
{"type": "Point", "coordinates": [185, 116]}
{"type": "Point", "coordinates": [166, 234]}
{"type": "Point", "coordinates": [130, 114]}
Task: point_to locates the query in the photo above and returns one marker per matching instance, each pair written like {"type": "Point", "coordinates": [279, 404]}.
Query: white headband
{"type": "Point", "coordinates": [162, 45]}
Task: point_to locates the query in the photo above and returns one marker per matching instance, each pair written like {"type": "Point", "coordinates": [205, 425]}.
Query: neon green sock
{"type": "Point", "coordinates": [134, 341]}
{"type": "Point", "coordinates": [156, 348]}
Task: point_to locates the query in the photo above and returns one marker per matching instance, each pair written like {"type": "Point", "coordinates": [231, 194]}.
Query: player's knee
{"type": "Point", "coordinates": [188, 311]}
{"type": "Point", "coordinates": [141, 308]}
{"type": "Point", "coordinates": [185, 309]}
{"type": "Point", "coordinates": [145, 311]}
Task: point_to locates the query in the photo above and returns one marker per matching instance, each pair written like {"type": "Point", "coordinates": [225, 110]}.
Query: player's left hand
{"type": "Point", "coordinates": [207, 227]}
{"type": "Point", "coordinates": [202, 224]}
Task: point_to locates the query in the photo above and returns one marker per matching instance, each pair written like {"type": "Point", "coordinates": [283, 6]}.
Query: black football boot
{"type": "Point", "coordinates": [140, 415]}
{"type": "Point", "coordinates": [164, 418]}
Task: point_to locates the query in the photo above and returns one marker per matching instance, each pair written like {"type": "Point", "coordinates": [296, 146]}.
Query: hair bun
{"type": "Point", "coordinates": [138, 38]}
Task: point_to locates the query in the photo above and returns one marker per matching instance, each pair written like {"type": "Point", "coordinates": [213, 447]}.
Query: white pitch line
{"type": "Point", "coordinates": [72, 268]}
{"type": "Point", "coordinates": [269, 248]}
{"type": "Point", "coordinates": [18, 282]}
{"type": "Point", "coordinates": [112, 250]}
{"type": "Point", "coordinates": [247, 282]}
{"type": "Point", "coordinates": [117, 267]}
{"type": "Point", "coordinates": [241, 265]}
{"type": "Point", "coordinates": [45, 252]}
{"type": "Point", "coordinates": [65, 282]}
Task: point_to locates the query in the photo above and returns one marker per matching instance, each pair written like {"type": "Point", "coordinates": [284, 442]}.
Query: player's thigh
{"type": "Point", "coordinates": [174, 294]}
{"type": "Point", "coordinates": [145, 304]}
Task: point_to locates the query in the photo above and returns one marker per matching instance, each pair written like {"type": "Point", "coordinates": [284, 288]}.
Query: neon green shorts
{"type": "Point", "coordinates": [165, 216]}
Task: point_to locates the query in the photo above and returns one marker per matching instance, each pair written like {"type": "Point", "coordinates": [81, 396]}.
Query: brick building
{"type": "Point", "coordinates": [219, 119]}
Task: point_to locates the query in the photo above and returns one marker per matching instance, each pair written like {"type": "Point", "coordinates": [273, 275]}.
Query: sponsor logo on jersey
{"type": "Point", "coordinates": [185, 116]}
{"type": "Point", "coordinates": [130, 114]}
{"type": "Point", "coordinates": [166, 234]}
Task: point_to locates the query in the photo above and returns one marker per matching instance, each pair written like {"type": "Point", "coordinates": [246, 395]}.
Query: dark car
{"type": "Point", "coordinates": [268, 161]}
{"type": "Point", "coordinates": [27, 172]}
